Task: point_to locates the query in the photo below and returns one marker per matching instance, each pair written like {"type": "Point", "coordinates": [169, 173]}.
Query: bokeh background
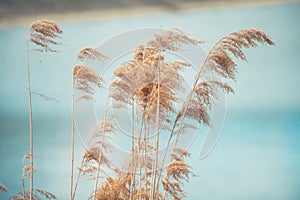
{"type": "Point", "coordinates": [258, 154]}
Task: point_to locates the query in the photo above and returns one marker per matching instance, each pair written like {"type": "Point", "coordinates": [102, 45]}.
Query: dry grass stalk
{"type": "Point", "coordinates": [91, 159]}
{"type": "Point", "coordinates": [43, 34]}
{"type": "Point", "coordinates": [95, 156]}
{"type": "Point", "coordinates": [46, 194]}
{"type": "Point", "coordinates": [90, 53]}
{"type": "Point", "coordinates": [219, 61]}
{"type": "Point", "coordinates": [179, 154]}
{"type": "Point", "coordinates": [177, 171]}
{"type": "Point", "coordinates": [45, 97]}
{"type": "Point", "coordinates": [27, 171]}
{"type": "Point", "coordinates": [84, 97]}
{"type": "Point", "coordinates": [115, 188]}
{"type": "Point", "coordinates": [173, 40]}
{"type": "Point", "coordinates": [99, 137]}
{"type": "Point", "coordinates": [204, 93]}
{"type": "Point", "coordinates": [85, 79]}
{"type": "Point", "coordinates": [37, 194]}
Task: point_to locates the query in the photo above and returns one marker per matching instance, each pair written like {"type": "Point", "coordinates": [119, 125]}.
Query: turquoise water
{"type": "Point", "coordinates": [258, 155]}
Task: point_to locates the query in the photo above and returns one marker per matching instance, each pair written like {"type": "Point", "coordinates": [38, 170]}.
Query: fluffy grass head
{"type": "Point", "coordinates": [44, 34]}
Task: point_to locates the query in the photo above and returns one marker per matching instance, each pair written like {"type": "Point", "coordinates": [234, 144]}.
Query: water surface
{"type": "Point", "coordinates": [258, 155]}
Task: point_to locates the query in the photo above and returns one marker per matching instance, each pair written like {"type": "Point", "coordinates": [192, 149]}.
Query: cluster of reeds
{"type": "Point", "coordinates": [149, 85]}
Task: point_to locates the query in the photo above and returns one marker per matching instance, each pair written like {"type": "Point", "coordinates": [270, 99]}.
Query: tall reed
{"type": "Point", "coordinates": [84, 79]}
{"type": "Point", "coordinates": [43, 34]}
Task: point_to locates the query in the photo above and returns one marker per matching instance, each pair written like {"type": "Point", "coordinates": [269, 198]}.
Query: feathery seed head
{"type": "Point", "coordinates": [90, 53]}
{"type": "Point", "coordinates": [86, 79]}
{"type": "Point", "coordinates": [44, 34]}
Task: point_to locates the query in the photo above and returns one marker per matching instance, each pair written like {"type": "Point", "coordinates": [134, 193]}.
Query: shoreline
{"type": "Point", "coordinates": [115, 13]}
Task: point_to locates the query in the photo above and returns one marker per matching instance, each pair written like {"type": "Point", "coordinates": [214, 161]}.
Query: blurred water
{"type": "Point", "coordinates": [258, 155]}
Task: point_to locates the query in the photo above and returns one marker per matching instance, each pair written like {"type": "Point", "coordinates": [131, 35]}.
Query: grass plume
{"type": "Point", "coordinates": [44, 34]}
{"type": "Point", "coordinates": [90, 53]}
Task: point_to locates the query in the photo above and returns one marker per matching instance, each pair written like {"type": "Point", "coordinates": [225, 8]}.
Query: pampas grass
{"type": "Point", "coordinates": [149, 85]}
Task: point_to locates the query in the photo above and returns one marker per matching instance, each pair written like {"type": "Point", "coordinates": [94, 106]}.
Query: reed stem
{"type": "Point", "coordinates": [30, 124]}
{"type": "Point", "coordinates": [100, 153]}
{"type": "Point", "coordinates": [72, 148]}
{"type": "Point", "coordinates": [156, 135]}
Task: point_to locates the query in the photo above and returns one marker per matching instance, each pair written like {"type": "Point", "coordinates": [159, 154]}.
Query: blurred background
{"type": "Point", "coordinates": [258, 154]}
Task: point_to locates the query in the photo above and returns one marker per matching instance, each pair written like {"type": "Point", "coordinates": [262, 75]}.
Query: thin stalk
{"type": "Point", "coordinates": [139, 139]}
{"type": "Point", "coordinates": [188, 98]}
{"type": "Point", "coordinates": [165, 195]}
{"type": "Point", "coordinates": [72, 148]}
{"type": "Point", "coordinates": [77, 180]}
{"type": "Point", "coordinates": [132, 151]}
{"type": "Point", "coordinates": [156, 134]}
{"type": "Point", "coordinates": [164, 157]}
{"type": "Point", "coordinates": [30, 124]}
{"type": "Point", "coordinates": [138, 134]}
{"type": "Point", "coordinates": [140, 178]}
{"type": "Point", "coordinates": [145, 154]}
{"type": "Point", "coordinates": [100, 154]}
{"type": "Point", "coordinates": [23, 186]}
{"type": "Point", "coordinates": [141, 164]}
{"type": "Point", "coordinates": [97, 173]}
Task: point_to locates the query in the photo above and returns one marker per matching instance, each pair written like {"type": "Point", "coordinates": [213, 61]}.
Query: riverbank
{"type": "Point", "coordinates": [13, 15]}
